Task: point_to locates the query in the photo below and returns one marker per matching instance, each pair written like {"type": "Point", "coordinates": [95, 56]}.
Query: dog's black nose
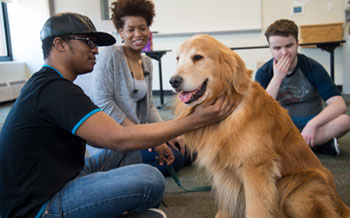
{"type": "Point", "coordinates": [175, 81]}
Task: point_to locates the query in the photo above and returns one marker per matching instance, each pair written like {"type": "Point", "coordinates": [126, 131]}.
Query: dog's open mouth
{"type": "Point", "coordinates": [188, 97]}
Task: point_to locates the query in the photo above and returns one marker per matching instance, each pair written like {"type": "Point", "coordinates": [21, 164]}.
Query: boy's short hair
{"type": "Point", "coordinates": [282, 27]}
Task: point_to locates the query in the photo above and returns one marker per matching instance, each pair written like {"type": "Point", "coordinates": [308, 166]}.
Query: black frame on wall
{"type": "Point", "coordinates": [8, 57]}
{"type": "Point", "coordinates": [105, 13]}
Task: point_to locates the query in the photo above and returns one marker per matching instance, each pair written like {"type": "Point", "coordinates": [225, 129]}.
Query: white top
{"type": "Point", "coordinates": [139, 89]}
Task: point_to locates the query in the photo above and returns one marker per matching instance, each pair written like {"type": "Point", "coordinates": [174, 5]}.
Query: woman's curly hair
{"type": "Point", "coordinates": [122, 8]}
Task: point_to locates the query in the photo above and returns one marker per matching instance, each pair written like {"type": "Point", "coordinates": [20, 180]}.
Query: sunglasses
{"type": "Point", "coordinates": [87, 40]}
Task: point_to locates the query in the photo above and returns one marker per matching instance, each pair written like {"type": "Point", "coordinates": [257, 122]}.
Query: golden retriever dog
{"type": "Point", "coordinates": [258, 161]}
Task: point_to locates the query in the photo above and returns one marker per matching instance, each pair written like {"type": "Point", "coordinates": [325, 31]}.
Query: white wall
{"type": "Point", "coordinates": [315, 12]}
{"type": "Point", "coordinates": [346, 61]}
{"type": "Point", "coordinates": [178, 17]}
{"type": "Point", "coordinates": [26, 18]}
{"type": "Point", "coordinates": [90, 8]}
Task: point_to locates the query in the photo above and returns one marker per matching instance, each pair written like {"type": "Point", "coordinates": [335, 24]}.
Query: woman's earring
{"type": "Point", "coordinates": [122, 40]}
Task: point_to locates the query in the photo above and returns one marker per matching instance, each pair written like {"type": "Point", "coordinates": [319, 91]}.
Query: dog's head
{"type": "Point", "coordinates": [207, 69]}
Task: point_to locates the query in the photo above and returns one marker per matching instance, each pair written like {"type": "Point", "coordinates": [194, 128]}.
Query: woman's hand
{"type": "Point", "coordinates": [165, 154]}
{"type": "Point", "coordinates": [178, 144]}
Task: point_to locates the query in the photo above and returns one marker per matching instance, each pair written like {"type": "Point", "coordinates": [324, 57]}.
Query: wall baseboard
{"type": "Point", "coordinates": [340, 87]}
{"type": "Point", "coordinates": [165, 93]}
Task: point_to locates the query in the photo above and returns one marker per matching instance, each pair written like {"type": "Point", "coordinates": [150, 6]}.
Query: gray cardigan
{"type": "Point", "coordinates": [112, 86]}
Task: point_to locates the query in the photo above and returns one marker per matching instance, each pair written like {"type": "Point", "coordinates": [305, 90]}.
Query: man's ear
{"type": "Point", "coordinates": [59, 44]}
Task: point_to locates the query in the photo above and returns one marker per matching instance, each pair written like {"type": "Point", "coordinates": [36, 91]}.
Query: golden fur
{"type": "Point", "coordinates": [259, 163]}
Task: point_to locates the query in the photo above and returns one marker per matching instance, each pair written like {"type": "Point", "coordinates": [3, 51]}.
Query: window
{"type": "Point", "coordinates": [5, 41]}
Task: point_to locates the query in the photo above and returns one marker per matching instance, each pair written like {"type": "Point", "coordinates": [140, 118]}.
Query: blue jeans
{"type": "Point", "coordinates": [109, 184]}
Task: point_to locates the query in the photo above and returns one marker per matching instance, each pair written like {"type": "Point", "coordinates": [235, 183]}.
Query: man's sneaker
{"type": "Point", "coordinates": [331, 147]}
{"type": "Point", "coordinates": [150, 213]}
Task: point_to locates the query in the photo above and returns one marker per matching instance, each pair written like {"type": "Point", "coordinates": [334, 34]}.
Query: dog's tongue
{"type": "Point", "coordinates": [186, 96]}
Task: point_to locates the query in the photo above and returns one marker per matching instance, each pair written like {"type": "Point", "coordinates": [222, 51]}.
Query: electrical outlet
{"type": "Point", "coordinates": [330, 6]}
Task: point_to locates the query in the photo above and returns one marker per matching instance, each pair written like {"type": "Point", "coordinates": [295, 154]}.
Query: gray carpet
{"type": "Point", "coordinates": [182, 204]}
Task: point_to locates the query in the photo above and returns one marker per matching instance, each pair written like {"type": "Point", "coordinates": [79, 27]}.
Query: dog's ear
{"type": "Point", "coordinates": [234, 70]}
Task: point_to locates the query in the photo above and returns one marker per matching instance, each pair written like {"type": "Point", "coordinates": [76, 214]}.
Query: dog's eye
{"type": "Point", "coordinates": [197, 57]}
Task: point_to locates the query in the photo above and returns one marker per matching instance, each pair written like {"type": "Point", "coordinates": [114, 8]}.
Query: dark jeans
{"type": "Point", "coordinates": [150, 158]}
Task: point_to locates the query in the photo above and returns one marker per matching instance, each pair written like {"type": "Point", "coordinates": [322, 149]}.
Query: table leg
{"type": "Point", "coordinates": [162, 105]}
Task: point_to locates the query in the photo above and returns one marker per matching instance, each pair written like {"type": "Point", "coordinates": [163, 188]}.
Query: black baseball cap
{"type": "Point", "coordinates": [68, 23]}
